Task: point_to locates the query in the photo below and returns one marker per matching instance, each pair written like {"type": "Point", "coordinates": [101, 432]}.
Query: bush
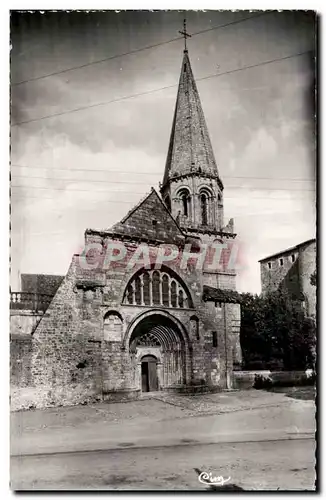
{"type": "Point", "coordinates": [263, 382]}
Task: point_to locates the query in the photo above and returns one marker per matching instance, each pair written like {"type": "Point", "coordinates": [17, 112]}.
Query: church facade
{"type": "Point", "coordinates": [150, 304]}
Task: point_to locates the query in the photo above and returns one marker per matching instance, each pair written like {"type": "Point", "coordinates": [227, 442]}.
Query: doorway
{"type": "Point", "coordinates": [149, 381]}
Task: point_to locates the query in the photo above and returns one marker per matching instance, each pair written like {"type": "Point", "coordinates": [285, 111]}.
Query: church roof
{"type": "Point", "coordinates": [190, 149]}
{"type": "Point", "coordinates": [150, 219]}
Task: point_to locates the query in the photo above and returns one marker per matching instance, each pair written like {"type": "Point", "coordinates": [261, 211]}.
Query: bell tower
{"type": "Point", "coordinates": [192, 188]}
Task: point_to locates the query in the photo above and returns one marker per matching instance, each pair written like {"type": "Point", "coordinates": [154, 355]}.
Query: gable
{"type": "Point", "coordinates": [150, 219]}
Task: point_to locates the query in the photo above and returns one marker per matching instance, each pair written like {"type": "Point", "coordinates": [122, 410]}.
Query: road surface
{"type": "Point", "coordinates": [155, 445]}
{"type": "Point", "coordinates": [262, 465]}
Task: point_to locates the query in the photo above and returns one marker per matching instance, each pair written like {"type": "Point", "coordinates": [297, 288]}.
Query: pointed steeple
{"type": "Point", "coordinates": [190, 150]}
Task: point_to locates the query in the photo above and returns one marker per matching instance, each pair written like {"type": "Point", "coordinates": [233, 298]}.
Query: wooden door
{"type": "Point", "coordinates": [144, 377]}
{"type": "Point", "coordinates": [152, 375]}
{"type": "Point", "coordinates": [149, 380]}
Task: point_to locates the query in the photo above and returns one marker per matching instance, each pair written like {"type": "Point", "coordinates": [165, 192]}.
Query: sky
{"type": "Point", "coordinates": [107, 145]}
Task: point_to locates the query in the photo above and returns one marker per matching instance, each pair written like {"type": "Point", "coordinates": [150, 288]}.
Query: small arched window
{"type": "Point", "coordinates": [219, 198]}
{"type": "Point", "coordinates": [203, 205]}
{"type": "Point", "coordinates": [181, 299]}
{"type": "Point", "coordinates": [185, 205]}
{"type": "Point", "coordinates": [156, 287]}
{"type": "Point", "coordinates": [112, 327]}
{"type": "Point", "coordinates": [137, 290]}
{"type": "Point", "coordinates": [146, 289]}
{"type": "Point", "coordinates": [185, 199]}
{"type": "Point", "coordinates": [130, 294]}
{"type": "Point", "coordinates": [173, 294]}
{"type": "Point", "coordinates": [165, 290]}
{"type": "Point", "coordinates": [194, 327]}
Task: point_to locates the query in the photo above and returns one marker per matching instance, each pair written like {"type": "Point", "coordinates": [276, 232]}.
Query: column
{"type": "Point", "coordinates": [169, 285]}
{"type": "Point", "coordinates": [142, 290]}
{"type": "Point", "coordinates": [150, 288]}
{"type": "Point", "coordinates": [160, 290]}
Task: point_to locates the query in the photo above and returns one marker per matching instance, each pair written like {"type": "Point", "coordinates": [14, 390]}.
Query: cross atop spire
{"type": "Point", "coordinates": [185, 34]}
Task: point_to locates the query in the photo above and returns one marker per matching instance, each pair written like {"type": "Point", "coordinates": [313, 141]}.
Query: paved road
{"type": "Point", "coordinates": [263, 441]}
{"type": "Point", "coordinates": [264, 465]}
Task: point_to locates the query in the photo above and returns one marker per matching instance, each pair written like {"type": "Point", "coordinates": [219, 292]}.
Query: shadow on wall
{"type": "Point", "coordinates": [291, 282]}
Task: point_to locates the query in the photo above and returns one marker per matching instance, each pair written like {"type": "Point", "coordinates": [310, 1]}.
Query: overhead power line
{"type": "Point", "coordinates": [140, 192]}
{"type": "Point", "coordinates": [31, 167]}
{"type": "Point", "coordinates": [142, 183]}
{"type": "Point", "coordinates": [131, 96]}
{"type": "Point", "coordinates": [277, 198]}
{"type": "Point", "coordinates": [136, 51]}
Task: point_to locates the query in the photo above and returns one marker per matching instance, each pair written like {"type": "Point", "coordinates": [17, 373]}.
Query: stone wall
{"type": "Point", "coordinates": [20, 360]}
{"type": "Point", "coordinates": [272, 278]}
{"type": "Point", "coordinates": [307, 267]}
{"type": "Point", "coordinates": [224, 319]}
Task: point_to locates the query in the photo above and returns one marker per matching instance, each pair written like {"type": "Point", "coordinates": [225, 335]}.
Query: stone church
{"type": "Point", "coordinates": [161, 313]}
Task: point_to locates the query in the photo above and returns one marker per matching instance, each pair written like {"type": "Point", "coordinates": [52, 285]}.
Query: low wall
{"type": "Point", "coordinates": [23, 322]}
{"type": "Point", "coordinates": [192, 389]}
{"type": "Point", "coordinates": [121, 396]}
{"type": "Point", "coordinates": [246, 379]}
{"type": "Point", "coordinates": [20, 360]}
{"type": "Point", "coordinates": [30, 397]}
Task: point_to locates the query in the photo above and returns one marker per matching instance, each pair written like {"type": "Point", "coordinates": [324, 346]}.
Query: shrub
{"type": "Point", "coordinates": [262, 382]}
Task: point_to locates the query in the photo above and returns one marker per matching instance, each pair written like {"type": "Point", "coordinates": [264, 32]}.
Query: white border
{"type": "Point", "coordinates": [4, 138]}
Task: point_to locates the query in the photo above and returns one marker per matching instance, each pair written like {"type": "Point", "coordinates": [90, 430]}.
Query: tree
{"type": "Point", "coordinates": [275, 333]}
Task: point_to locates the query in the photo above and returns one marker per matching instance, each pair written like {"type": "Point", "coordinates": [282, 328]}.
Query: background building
{"type": "Point", "coordinates": [292, 269]}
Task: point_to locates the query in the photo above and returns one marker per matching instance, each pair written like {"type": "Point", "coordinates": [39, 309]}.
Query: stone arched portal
{"type": "Point", "coordinates": [160, 336]}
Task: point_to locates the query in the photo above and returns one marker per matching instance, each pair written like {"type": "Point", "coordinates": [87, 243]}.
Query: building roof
{"type": "Point", "coordinates": [46, 284]}
{"type": "Point", "coordinates": [150, 219]}
{"type": "Point", "coordinates": [288, 250]}
{"type": "Point", "coordinates": [190, 149]}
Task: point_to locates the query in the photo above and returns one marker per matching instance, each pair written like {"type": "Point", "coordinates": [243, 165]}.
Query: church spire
{"type": "Point", "coordinates": [190, 150]}
{"type": "Point", "coordinates": [192, 188]}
